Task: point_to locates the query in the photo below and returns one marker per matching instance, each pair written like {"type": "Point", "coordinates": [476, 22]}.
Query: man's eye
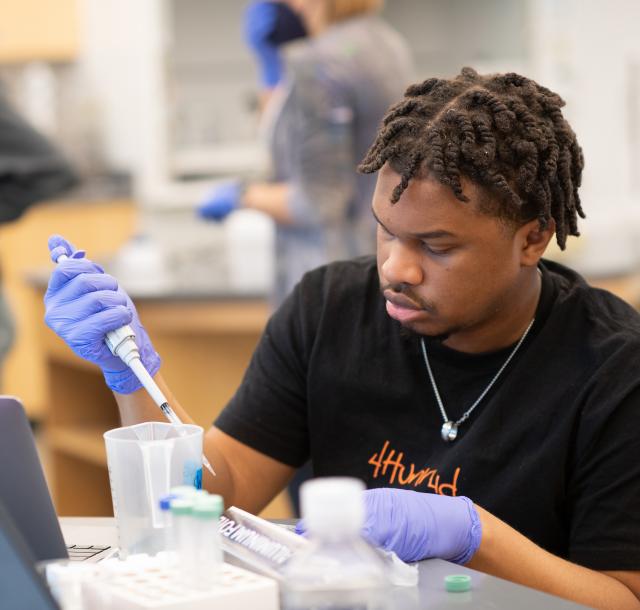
{"type": "Point", "coordinates": [435, 251]}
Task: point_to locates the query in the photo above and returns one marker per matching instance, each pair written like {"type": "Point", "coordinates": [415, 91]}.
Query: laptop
{"type": "Point", "coordinates": [21, 585]}
{"type": "Point", "coordinates": [24, 492]}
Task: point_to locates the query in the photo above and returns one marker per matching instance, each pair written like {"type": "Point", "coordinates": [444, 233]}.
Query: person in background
{"type": "Point", "coordinates": [488, 398]}
{"type": "Point", "coordinates": [31, 170]}
{"type": "Point", "coordinates": [323, 98]}
{"type": "Point", "coordinates": [327, 93]}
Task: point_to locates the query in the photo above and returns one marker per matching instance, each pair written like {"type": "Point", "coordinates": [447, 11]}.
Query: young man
{"type": "Point", "coordinates": [487, 397]}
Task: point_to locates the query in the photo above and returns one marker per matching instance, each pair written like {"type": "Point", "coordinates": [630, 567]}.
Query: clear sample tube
{"type": "Point", "coordinates": [185, 538]}
{"type": "Point", "coordinates": [206, 514]}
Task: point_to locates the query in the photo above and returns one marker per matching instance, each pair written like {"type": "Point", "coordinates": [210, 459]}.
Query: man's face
{"type": "Point", "coordinates": [445, 268]}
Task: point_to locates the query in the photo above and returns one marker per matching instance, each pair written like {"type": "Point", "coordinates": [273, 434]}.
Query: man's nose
{"type": "Point", "coordinates": [402, 265]}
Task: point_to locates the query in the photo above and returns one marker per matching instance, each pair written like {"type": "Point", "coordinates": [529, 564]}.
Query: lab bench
{"type": "Point", "coordinates": [487, 592]}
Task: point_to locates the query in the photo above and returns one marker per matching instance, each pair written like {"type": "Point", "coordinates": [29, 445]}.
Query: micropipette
{"type": "Point", "coordinates": [121, 343]}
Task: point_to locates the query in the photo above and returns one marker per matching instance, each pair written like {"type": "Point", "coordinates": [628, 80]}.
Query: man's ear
{"type": "Point", "coordinates": [534, 241]}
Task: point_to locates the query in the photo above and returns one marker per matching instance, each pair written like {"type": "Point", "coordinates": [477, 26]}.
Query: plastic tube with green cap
{"type": "Point", "coordinates": [206, 515]}
{"type": "Point", "coordinates": [184, 536]}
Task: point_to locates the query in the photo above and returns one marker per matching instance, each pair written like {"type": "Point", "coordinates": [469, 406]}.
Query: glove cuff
{"type": "Point", "coordinates": [475, 534]}
{"type": "Point", "coordinates": [270, 66]}
{"type": "Point", "coordinates": [125, 382]}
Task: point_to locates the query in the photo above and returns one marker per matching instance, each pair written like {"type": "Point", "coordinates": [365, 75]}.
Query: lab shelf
{"type": "Point", "coordinates": [84, 443]}
{"type": "Point", "coordinates": [245, 318]}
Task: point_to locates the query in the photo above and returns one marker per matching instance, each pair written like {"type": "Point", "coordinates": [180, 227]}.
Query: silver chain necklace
{"type": "Point", "coordinates": [449, 430]}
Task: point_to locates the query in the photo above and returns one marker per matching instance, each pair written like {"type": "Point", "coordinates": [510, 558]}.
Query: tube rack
{"type": "Point", "coordinates": [150, 583]}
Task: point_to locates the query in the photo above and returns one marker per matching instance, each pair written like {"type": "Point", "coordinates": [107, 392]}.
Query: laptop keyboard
{"type": "Point", "coordinates": [83, 553]}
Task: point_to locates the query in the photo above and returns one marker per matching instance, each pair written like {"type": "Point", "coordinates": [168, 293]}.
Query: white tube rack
{"type": "Point", "coordinates": [150, 583]}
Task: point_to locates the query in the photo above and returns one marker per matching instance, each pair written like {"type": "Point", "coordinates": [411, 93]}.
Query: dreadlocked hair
{"type": "Point", "coordinates": [502, 131]}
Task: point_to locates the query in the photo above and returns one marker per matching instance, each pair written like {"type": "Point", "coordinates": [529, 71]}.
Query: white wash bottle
{"type": "Point", "coordinates": [339, 570]}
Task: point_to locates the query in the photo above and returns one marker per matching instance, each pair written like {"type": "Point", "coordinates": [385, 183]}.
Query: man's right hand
{"type": "Point", "coordinates": [82, 304]}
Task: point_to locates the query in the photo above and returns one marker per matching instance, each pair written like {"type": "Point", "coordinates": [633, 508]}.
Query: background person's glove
{"type": "Point", "coordinates": [221, 201]}
{"type": "Point", "coordinates": [82, 304]}
{"type": "Point", "coordinates": [422, 525]}
{"type": "Point", "coordinates": [267, 25]}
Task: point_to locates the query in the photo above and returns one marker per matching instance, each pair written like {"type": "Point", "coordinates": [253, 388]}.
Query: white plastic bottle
{"type": "Point", "coordinates": [339, 570]}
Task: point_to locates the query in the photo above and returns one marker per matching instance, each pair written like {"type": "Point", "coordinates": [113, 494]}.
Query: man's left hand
{"type": "Point", "coordinates": [421, 525]}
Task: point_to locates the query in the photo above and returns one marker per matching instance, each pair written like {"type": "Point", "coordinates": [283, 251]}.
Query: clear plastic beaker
{"type": "Point", "coordinates": [144, 462]}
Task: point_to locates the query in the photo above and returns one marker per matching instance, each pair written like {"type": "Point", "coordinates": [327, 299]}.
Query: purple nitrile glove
{"type": "Point", "coordinates": [421, 525]}
{"type": "Point", "coordinates": [301, 528]}
{"type": "Point", "coordinates": [221, 201]}
{"type": "Point", "coordinates": [259, 24]}
{"type": "Point", "coordinates": [82, 304]}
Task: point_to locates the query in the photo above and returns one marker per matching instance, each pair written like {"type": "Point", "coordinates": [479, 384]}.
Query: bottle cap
{"type": "Point", "coordinates": [208, 507]}
{"type": "Point", "coordinates": [457, 583]}
{"type": "Point", "coordinates": [165, 501]}
{"type": "Point", "coordinates": [181, 506]}
{"type": "Point", "coordinates": [333, 505]}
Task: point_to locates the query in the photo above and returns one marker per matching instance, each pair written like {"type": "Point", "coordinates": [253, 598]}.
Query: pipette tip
{"type": "Point", "coordinates": [208, 466]}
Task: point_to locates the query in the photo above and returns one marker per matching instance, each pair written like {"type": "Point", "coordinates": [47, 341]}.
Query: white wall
{"type": "Point", "coordinates": [589, 52]}
{"type": "Point", "coordinates": [113, 37]}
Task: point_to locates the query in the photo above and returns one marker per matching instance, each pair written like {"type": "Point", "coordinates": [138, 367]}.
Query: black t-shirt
{"type": "Point", "coordinates": [553, 449]}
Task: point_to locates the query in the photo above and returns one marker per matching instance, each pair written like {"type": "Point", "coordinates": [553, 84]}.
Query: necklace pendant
{"type": "Point", "coordinates": [449, 431]}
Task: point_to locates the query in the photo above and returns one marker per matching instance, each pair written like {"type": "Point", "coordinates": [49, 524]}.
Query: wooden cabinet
{"type": "Point", "coordinates": [32, 30]}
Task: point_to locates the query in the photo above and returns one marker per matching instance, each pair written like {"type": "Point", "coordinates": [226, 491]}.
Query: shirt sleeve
{"type": "Point", "coordinates": [321, 147]}
{"type": "Point", "coordinates": [604, 488]}
{"type": "Point", "coordinates": [269, 410]}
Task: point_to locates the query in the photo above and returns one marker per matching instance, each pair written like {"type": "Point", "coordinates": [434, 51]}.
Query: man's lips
{"type": "Point", "coordinates": [401, 308]}
{"type": "Point", "coordinates": [400, 300]}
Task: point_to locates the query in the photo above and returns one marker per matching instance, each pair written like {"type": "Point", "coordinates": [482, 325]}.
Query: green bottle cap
{"type": "Point", "coordinates": [181, 506]}
{"type": "Point", "coordinates": [208, 507]}
{"type": "Point", "coordinates": [457, 583]}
